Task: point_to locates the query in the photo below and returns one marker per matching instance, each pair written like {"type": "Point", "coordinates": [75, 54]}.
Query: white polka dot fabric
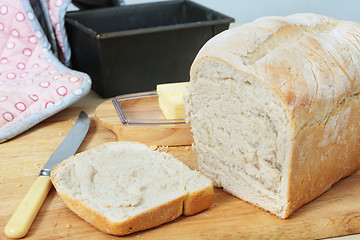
{"type": "Point", "coordinates": [34, 83]}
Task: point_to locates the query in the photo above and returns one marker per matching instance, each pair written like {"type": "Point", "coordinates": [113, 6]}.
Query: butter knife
{"type": "Point", "coordinates": [26, 212]}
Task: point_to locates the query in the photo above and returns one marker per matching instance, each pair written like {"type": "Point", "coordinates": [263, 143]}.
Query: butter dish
{"type": "Point", "coordinates": [138, 117]}
{"type": "Point", "coordinates": [142, 108]}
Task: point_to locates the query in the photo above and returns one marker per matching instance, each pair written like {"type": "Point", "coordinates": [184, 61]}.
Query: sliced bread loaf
{"type": "Point", "coordinates": [274, 109]}
{"type": "Point", "coordinates": [124, 187]}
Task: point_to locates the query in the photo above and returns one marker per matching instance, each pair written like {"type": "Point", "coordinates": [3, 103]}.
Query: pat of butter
{"type": "Point", "coordinates": [171, 99]}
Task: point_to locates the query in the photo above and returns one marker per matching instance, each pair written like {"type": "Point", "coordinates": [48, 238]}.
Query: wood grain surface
{"type": "Point", "coordinates": [335, 213]}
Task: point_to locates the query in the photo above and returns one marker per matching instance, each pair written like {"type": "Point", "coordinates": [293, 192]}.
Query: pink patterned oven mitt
{"type": "Point", "coordinates": [34, 83]}
{"type": "Point", "coordinates": [57, 10]}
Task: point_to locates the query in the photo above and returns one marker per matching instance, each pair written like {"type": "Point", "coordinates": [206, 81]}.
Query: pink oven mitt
{"type": "Point", "coordinates": [57, 11]}
{"type": "Point", "coordinates": [34, 83]}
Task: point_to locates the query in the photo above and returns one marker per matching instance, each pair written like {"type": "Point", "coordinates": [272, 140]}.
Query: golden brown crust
{"type": "Point", "coordinates": [187, 205]}
{"type": "Point", "coordinates": [198, 201]}
{"type": "Point", "coordinates": [146, 220]}
{"type": "Point", "coordinates": [324, 152]}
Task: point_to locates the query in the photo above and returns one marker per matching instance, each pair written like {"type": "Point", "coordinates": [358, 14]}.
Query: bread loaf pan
{"type": "Point", "coordinates": [133, 48]}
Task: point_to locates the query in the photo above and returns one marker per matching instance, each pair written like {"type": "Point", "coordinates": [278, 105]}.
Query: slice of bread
{"type": "Point", "coordinates": [124, 187]}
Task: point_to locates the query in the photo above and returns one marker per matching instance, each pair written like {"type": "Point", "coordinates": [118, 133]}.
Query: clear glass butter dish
{"type": "Point", "coordinates": [142, 109]}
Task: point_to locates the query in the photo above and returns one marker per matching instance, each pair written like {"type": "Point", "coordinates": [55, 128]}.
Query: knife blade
{"type": "Point", "coordinates": [26, 212]}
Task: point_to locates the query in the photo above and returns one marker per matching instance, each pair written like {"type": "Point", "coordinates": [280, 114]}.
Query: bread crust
{"type": "Point", "coordinates": [198, 201]}
{"type": "Point", "coordinates": [146, 220]}
{"type": "Point", "coordinates": [187, 205]}
{"type": "Point", "coordinates": [318, 161]}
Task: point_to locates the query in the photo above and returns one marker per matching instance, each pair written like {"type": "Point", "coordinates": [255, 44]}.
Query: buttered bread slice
{"type": "Point", "coordinates": [124, 187]}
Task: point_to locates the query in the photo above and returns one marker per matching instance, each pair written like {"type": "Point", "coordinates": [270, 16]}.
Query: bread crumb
{"type": "Point", "coordinates": [153, 147]}
{"type": "Point", "coordinates": [108, 206]}
{"type": "Point", "coordinates": [163, 148]}
{"type": "Point", "coordinates": [19, 185]}
{"type": "Point", "coordinates": [68, 226]}
{"type": "Point", "coordinates": [60, 134]}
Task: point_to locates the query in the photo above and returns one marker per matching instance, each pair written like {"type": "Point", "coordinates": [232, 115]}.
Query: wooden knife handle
{"type": "Point", "coordinates": [26, 212]}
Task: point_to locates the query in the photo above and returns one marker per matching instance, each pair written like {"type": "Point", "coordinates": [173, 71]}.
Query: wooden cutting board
{"type": "Point", "coordinates": [335, 213]}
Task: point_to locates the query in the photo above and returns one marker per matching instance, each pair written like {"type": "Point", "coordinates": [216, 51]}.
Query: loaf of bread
{"type": "Point", "coordinates": [124, 187]}
{"type": "Point", "coordinates": [275, 111]}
